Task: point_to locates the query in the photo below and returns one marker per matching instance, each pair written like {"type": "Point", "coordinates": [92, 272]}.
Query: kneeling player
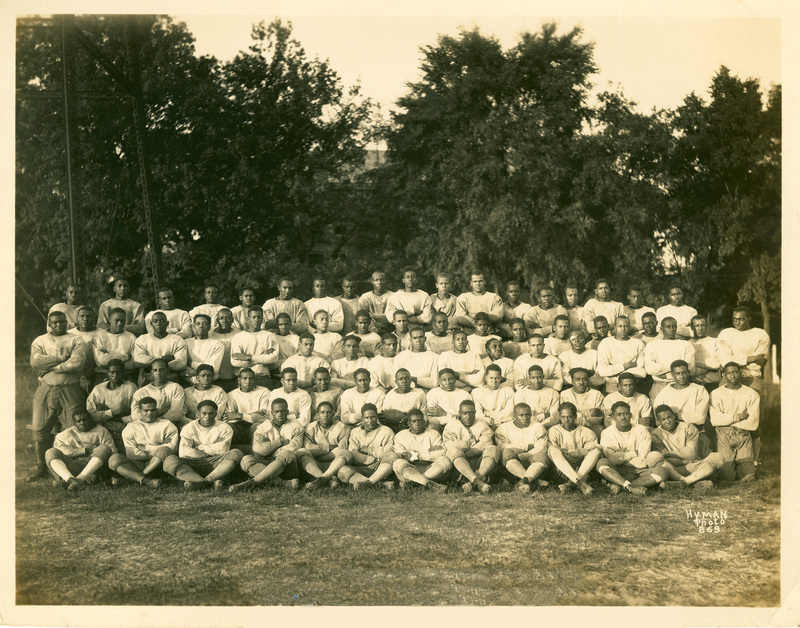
{"type": "Point", "coordinates": [275, 443]}
{"type": "Point", "coordinates": [79, 453]}
{"type": "Point", "coordinates": [627, 460]}
{"type": "Point", "coordinates": [420, 454]}
{"type": "Point", "coordinates": [523, 448]}
{"type": "Point", "coordinates": [148, 442]}
{"type": "Point", "coordinates": [369, 454]}
{"type": "Point", "coordinates": [322, 438]}
{"type": "Point", "coordinates": [679, 443]}
{"type": "Point", "coordinates": [573, 451]}
{"type": "Point", "coordinates": [205, 448]}
{"type": "Point", "coordinates": [468, 444]}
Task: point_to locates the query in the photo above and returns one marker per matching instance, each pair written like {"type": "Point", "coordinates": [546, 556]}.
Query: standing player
{"type": "Point", "coordinates": [478, 300]}
{"type": "Point", "coordinates": [601, 305]}
{"type": "Point", "coordinates": [134, 312]}
{"type": "Point", "coordinates": [513, 307]}
{"type": "Point", "coordinates": [414, 302]}
{"type": "Point", "coordinates": [210, 307]}
{"type": "Point", "coordinates": [285, 303]}
{"type": "Point", "coordinates": [224, 332]}
{"type": "Point", "coordinates": [747, 346]}
{"type": "Point", "coordinates": [247, 299]}
{"type": "Point", "coordinates": [72, 303]}
{"type": "Point", "coordinates": [444, 301]}
{"type": "Point", "coordinates": [330, 305]}
{"type": "Point", "coordinates": [349, 301]}
{"type": "Point", "coordinates": [636, 308]}
{"type": "Point", "coordinates": [678, 310]}
{"type": "Point", "coordinates": [178, 321]}
{"type": "Point", "coordinates": [374, 302]}
{"type": "Point", "coordinates": [541, 318]}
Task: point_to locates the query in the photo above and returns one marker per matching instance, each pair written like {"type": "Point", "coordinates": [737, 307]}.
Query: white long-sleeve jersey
{"type": "Point", "coordinates": [683, 315]}
{"type": "Point", "coordinates": [543, 402]}
{"type": "Point", "coordinates": [192, 396]}
{"type": "Point", "coordinates": [736, 346]}
{"type": "Point", "coordinates": [373, 443]}
{"type": "Point", "coordinates": [319, 440]}
{"type": "Point", "coordinates": [374, 303]}
{"type": "Point", "coordinates": [68, 347]}
{"type": "Point", "coordinates": [423, 444]}
{"type": "Point", "coordinates": [178, 322]}
{"type": "Point", "coordinates": [571, 360]}
{"type": "Point", "coordinates": [329, 305]}
{"type": "Point", "coordinates": [612, 354]}
{"type": "Point", "coordinates": [207, 351]}
{"type": "Point", "coordinates": [494, 406]}
{"type": "Point", "coordinates": [594, 308]}
{"type": "Point", "coordinates": [295, 308]}
{"type": "Point", "coordinates": [537, 317]}
{"type": "Point", "coordinates": [636, 440]}
{"type": "Point", "coordinates": [299, 402]}
{"type": "Point", "coordinates": [469, 304]}
{"type": "Point", "coordinates": [107, 346]}
{"type": "Point", "coordinates": [447, 401]}
{"type": "Point", "coordinates": [570, 440]}
{"type": "Point", "coordinates": [661, 353]}
{"type": "Point", "coordinates": [261, 346]}
{"type": "Point", "coordinates": [585, 402]}
{"type": "Point", "coordinates": [170, 395]}
{"type": "Point", "coordinates": [641, 408]}
{"type": "Point", "coordinates": [423, 365]}
{"type": "Point", "coordinates": [727, 403]}
{"type": "Point", "coordinates": [268, 437]}
{"type": "Point", "coordinates": [351, 402]}
{"type": "Point", "coordinates": [226, 370]}
{"type": "Point", "coordinates": [148, 348]}
{"type": "Point", "coordinates": [415, 304]}
{"type": "Point", "coordinates": [118, 400]}
{"type": "Point", "coordinates": [466, 362]}
{"type": "Point", "coordinates": [635, 316]}
{"type": "Point", "coordinates": [142, 439]}
{"type": "Point", "coordinates": [198, 442]}
{"type": "Point", "coordinates": [690, 403]}
{"type": "Point", "coordinates": [550, 364]}
{"type": "Point", "coordinates": [134, 314]}
{"type": "Point", "coordinates": [328, 345]}
{"type": "Point", "coordinates": [73, 443]}
{"type": "Point", "coordinates": [70, 311]}
{"type": "Point", "coordinates": [531, 438]}
{"type": "Point", "coordinates": [381, 370]}
{"type": "Point", "coordinates": [414, 398]}
{"type": "Point", "coordinates": [477, 436]}
{"type": "Point", "coordinates": [248, 403]}
{"type": "Point", "coordinates": [305, 366]}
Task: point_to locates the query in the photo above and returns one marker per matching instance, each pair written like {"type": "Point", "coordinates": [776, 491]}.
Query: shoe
{"type": "Point", "coordinates": [703, 485]}
{"type": "Point", "coordinates": [523, 486]}
{"type": "Point", "coordinates": [92, 479]}
{"type": "Point", "coordinates": [118, 482]}
{"type": "Point", "coordinates": [614, 489]}
{"type": "Point", "coordinates": [192, 486]}
{"type": "Point", "coordinates": [436, 487]}
{"type": "Point", "coordinates": [292, 485]}
{"type": "Point", "coordinates": [389, 485]}
{"type": "Point", "coordinates": [315, 484]}
{"type": "Point", "coordinates": [566, 487]}
{"type": "Point", "coordinates": [543, 483]}
{"type": "Point", "coordinates": [335, 483]}
{"type": "Point", "coordinates": [74, 484]}
{"type": "Point", "coordinates": [218, 485]}
{"type": "Point", "coordinates": [482, 486]}
{"type": "Point", "coordinates": [585, 488]}
{"type": "Point", "coordinates": [247, 485]}
{"type": "Point", "coordinates": [38, 474]}
{"type": "Point", "coordinates": [151, 482]}
{"type": "Point", "coordinates": [363, 486]}
{"type": "Point", "coordinates": [466, 487]}
{"type": "Point", "coordinates": [403, 485]}
{"type": "Point", "coordinates": [637, 490]}
{"type": "Point", "coordinates": [672, 485]}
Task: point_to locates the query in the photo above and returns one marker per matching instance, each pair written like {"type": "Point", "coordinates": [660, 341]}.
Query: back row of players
{"type": "Point", "coordinates": [418, 383]}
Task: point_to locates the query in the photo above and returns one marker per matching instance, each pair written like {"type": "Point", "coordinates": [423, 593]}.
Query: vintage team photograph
{"type": "Point", "coordinates": [456, 310]}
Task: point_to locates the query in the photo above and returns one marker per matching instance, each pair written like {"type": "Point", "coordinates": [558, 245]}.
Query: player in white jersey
{"type": "Point", "coordinates": [687, 461]}
{"type": "Point", "coordinates": [169, 396]}
{"type": "Point", "coordinates": [686, 399]}
{"type": "Point", "coordinates": [255, 348]}
{"type": "Point", "coordinates": [115, 344]}
{"type": "Point", "coordinates": [678, 310]}
{"type": "Point", "coordinates": [369, 454]}
{"type": "Point", "coordinates": [707, 364]}
{"type": "Point", "coordinates": [297, 399]}
{"type": "Point", "coordinates": [201, 390]}
{"type": "Point", "coordinates": [414, 302]}
{"type": "Point", "coordinates": [494, 355]}
{"type": "Point", "coordinates": [558, 342]}
{"type": "Point", "coordinates": [202, 349]}
{"type": "Point", "coordinates": [79, 453]}
{"type": "Point", "coordinates": [305, 362]}
{"type": "Point", "coordinates": [513, 307]}
{"type": "Point", "coordinates": [467, 365]}
{"type": "Point", "coordinates": [330, 305]}
{"type": "Point", "coordinates": [324, 392]}
{"type": "Point", "coordinates": [400, 400]}
{"type": "Point", "coordinates": [627, 462]}
{"type": "Point", "coordinates": [146, 444]}
{"type": "Point", "coordinates": [134, 312]}
{"type": "Point", "coordinates": [551, 365]}
{"type": "Point", "coordinates": [602, 330]}
{"type": "Point", "coordinates": [159, 345]}
{"type": "Point", "coordinates": [439, 339]}
{"type": "Point", "coordinates": [343, 369]}
{"type": "Point", "coordinates": [636, 308]}
{"type": "Point", "coordinates": [349, 301]}
{"type": "Point", "coordinates": [649, 331]}
{"type": "Point", "coordinates": [241, 312]}
{"type": "Point", "coordinates": [381, 367]}
{"type": "Point", "coordinates": [248, 407]}
{"type": "Point", "coordinates": [178, 321]}
{"type": "Point", "coordinates": [401, 330]}
{"type": "Point", "coordinates": [444, 400]}
{"type": "Point", "coordinates": [747, 346]}
{"type": "Point", "coordinates": [542, 400]}
{"type": "Point", "coordinates": [210, 307]}
{"type": "Point", "coordinates": [369, 339]}
{"type": "Point", "coordinates": [421, 363]}
{"type": "Point", "coordinates": [579, 356]}
{"type": "Point", "coordinates": [109, 403]}
{"type": "Point", "coordinates": [661, 353]}
{"type": "Point", "coordinates": [224, 332]}
{"type": "Point", "coordinates": [285, 303]}
{"type": "Point", "coordinates": [601, 305]}
{"type": "Point", "coordinates": [573, 307]}
{"type": "Point", "coordinates": [620, 354]}
{"type": "Point", "coordinates": [735, 412]}
{"type": "Point", "coordinates": [87, 330]}
{"type": "Point", "coordinates": [353, 399]}
{"type": "Point", "coordinates": [523, 448]}
{"type": "Point", "coordinates": [72, 303]}
{"type": "Point", "coordinates": [288, 343]}
{"type": "Point", "coordinates": [469, 446]}
{"type": "Point", "coordinates": [587, 401]}
{"type": "Point", "coordinates": [421, 457]}
{"type": "Point", "coordinates": [518, 344]}
{"type": "Point", "coordinates": [327, 344]}
{"type": "Point", "coordinates": [374, 302]}
{"type": "Point", "coordinates": [573, 450]}
{"type": "Point", "coordinates": [481, 335]}
{"type": "Point", "coordinates": [275, 445]}
{"type": "Point", "coordinates": [494, 403]}
{"type": "Point", "coordinates": [478, 300]}
{"type": "Point", "coordinates": [640, 407]}
{"type": "Point", "coordinates": [323, 437]}
{"type": "Point", "coordinates": [541, 317]}
{"type": "Point", "coordinates": [57, 358]}
{"type": "Point", "coordinates": [444, 301]}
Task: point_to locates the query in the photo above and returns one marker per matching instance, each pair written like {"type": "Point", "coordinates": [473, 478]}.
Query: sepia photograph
{"type": "Point", "coordinates": [359, 305]}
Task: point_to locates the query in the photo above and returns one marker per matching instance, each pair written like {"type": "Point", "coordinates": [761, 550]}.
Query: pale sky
{"type": "Point", "coordinates": [657, 60]}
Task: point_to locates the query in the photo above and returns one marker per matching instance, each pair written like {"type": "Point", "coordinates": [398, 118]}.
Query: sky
{"type": "Point", "coordinates": [656, 60]}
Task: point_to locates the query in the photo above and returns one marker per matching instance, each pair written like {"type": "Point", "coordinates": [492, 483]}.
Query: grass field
{"type": "Point", "coordinates": [135, 546]}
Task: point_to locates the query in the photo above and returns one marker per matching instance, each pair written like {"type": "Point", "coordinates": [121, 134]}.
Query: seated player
{"type": "Point", "coordinates": [686, 399]}
{"type": "Point", "coordinates": [558, 342]}
{"type": "Point", "coordinates": [551, 365]}
{"type": "Point", "coordinates": [579, 356]}
{"type": "Point", "coordinates": [735, 412]}
{"type": "Point", "coordinates": [285, 303]}
{"type": "Point", "coordinates": [494, 403]}
{"type": "Point", "coordinates": [444, 400]}
{"type": "Point", "coordinates": [747, 346]}
{"type": "Point", "coordinates": [627, 462]}
{"type": "Point", "coordinates": [523, 449]}
{"type": "Point", "coordinates": [518, 344]}
{"type": "Point", "coordinates": [327, 344]}
{"type": "Point", "coordinates": [134, 312]}
{"type": "Point", "coordinates": [115, 344]}
{"type": "Point", "coordinates": [297, 400]}
{"type": "Point", "coordinates": [573, 450]}
{"type": "Point", "coordinates": [588, 401]}
{"type": "Point", "coordinates": [374, 302]}
{"type": "Point", "coordinates": [513, 307]}
{"type": "Point", "coordinates": [401, 330]}
{"type": "Point", "coordinates": [305, 362]}
{"type": "Point", "coordinates": [481, 334]}
{"type": "Point", "coordinates": [494, 355]}
{"type": "Point", "coordinates": [467, 365]}
{"type": "Point", "coordinates": [349, 301]}
{"type": "Point", "coordinates": [649, 331]}
{"type": "Point", "coordinates": [640, 406]}
{"type": "Point", "coordinates": [542, 400]}
{"type": "Point", "coordinates": [444, 301]}
{"type": "Point", "coordinates": [342, 369]}
{"type": "Point", "coordinates": [369, 454]}
{"type": "Point", "coordinates": [330, 305]}
{"type": "Point", "coordinates": [210, 306]}
{"type": "Point", "coordinates": [421, 457]}
{"type": "Point", "coordinates": [248, 407]}
{"type": "Point", "coordinates": [421, 363]}
{"type": "Point", "coordinates": [678, 310]}
{"type": "Point", "coordinates": [147, 443]}
{"type": "Point", "coordinates": [684, 458]}
{"type": "Point", "coordinates": [87, 330]}
{"type": "Point", "coordinates": [440, 338]}
{"type": "Point", "coordinates": [601, 305]}
{"type": "Point", "coordinates": [620, 354]}
{"type": "Point", "coordinates": [178, 321]}
{"type": "Point", "coordinates": [72, 303]}
{"type": "Point", "coordinates": [204, 453]}
{"type": "Point", "coordinates": [414, 302]}
{"type": "Point", "coordinates": [369, 339]}
{"type": "Point", "coordinates": [707, 363]}
{"type": "Point", "coordinates": [224, 332]}
{"type": "Point", "coordinates": [109, 403]}
{"type": "Point", "coordinates": [400, 400]}
{"type": "Point", "coordinates": [288, 344]}
{"type": "Point", "coordinates": [255, 348]}
{"type": "Point", "coordinates": [469, 446]}
{"type": "Point", "coordinates": [159, 345]}
{"type": "Point", "coordinates": [661, 353]}
{"type": "Point", "coordinates": [541, 317]}
{"type": "Point", "coordinates": [573, 307]}
{"type": "Point", "coordinates": [275, 445]}
{"type": "Point", "coordinates": [381, 367]}
{"type": "Point", "coordinates": [168, 395]}
{"type": "Point", "coordinates": [353, 399]}
{"type": "Point", "coordinates": [322, 438]}
{"type": "Point", "coordinates": [602, 331]}
{"type": "Point", "coordinates": [79, 453]}
{"type": "Point", "coordinates": [636, 308]}
{"type": "Point", "coordinates": [324, 392]}
{"type": "Point", "coordinates": [203, 389]}
{"type": "Point", "coordinates": [477, 300]}
{"type": "Point", "coordinates": [202, 349]}
{"type": "Point", "coordinates": [241, 312]}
